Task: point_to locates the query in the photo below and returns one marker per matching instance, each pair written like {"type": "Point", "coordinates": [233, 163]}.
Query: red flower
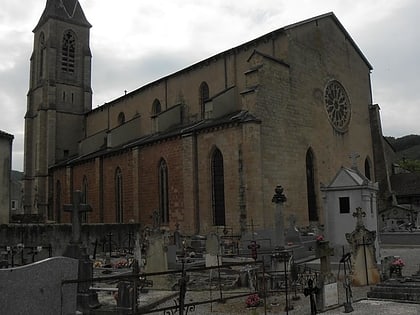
{"type": "Point", "coordinates": [253, 300]}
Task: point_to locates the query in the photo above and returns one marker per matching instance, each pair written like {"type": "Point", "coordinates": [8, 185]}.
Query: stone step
{"type": "Point", "coordinates": [390, 295]}
{"type": "Point", "coordinates": [396, 290]}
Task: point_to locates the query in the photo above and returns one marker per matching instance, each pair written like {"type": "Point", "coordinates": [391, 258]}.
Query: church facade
{"type": "Point", "coordinates": [205, 147]}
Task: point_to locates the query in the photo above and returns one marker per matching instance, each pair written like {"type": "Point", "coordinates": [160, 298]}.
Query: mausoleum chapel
{"type": "Point", "coordinates": [204, 147]}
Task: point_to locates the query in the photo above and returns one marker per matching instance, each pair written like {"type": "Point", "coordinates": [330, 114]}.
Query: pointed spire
{"type": "Point", "coordinates": [64, 10]}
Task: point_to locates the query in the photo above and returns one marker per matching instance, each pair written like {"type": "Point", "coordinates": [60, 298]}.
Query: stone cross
{"type": "Point", "coordinates": [76, 209]}
{"type": "Point", "coordinates": [359, 215]}
{"type": "Point", "coordinates": [354, 156]}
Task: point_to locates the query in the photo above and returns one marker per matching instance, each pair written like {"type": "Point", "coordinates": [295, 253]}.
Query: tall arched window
{"type": "Point", "coordinates": [68, 52]}
{"type": "Point", "coordinates": [310, 186]}
{"type": "Point", "coordinates": [218, 188]}
{"type": "Point", "coordinates": [163, 192]}
{"type": "Point", "coordinates": [84, 198]}
{"type": "Point", "coordinates": [204, 94]}
{"type": "Point", "coordinates": [368, 169]}
{"type": "Point", "coordinates": [58, 202]}
{"type": "Point", "coordinates": [119, 218]}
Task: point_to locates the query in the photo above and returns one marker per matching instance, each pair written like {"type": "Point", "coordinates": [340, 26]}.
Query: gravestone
{"type": "Point", "coordinates": [293, 235]}
{"type": "Point", "coordinates": [213, 257]}
{"type": "Point", "coordinates": [327, 296]}
{"type": "Point", "coordinates": [86, 298]}
{"type": "Point", "coordinates": [156, 258]}
{"type": "Point", "coordinates": [362, 241]}
{"type": "Point", "coordinates": [279, 198]}
{"type": "Point", "coordinates": [37, 288]}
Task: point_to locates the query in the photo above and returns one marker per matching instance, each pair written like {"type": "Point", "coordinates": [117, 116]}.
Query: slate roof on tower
{"type": "Point", "coordinates": [64, 10]}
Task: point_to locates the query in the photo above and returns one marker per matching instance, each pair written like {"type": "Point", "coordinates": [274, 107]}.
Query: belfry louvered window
{"type": "Point", "coordinates": [68, 52]}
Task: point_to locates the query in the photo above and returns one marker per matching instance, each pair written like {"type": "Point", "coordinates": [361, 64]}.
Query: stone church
{"type": "Point", "coordinates": [205, 147]}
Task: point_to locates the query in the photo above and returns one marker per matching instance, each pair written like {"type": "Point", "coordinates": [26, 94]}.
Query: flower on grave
{"type": "Point", "coordinates": [253, 300]}
{"type": "Point", "coordinates": [121, 264]}
{"type": "Point", "coordinates": [398, 262]}
{"type": "Point", "coordinates": [320, 238]}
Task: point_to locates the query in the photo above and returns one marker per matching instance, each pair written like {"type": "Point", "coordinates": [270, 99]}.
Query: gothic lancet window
{"type": "Point", "coordinates": [367, 169]}
{"type": "Point", "coordinates": [310, 186]}
{"type": "Point", "coordinates": [68, 52]}
{"type": "Point", "coordinates": [84, 198]}
{"type": "Point", "coordinates": [163, 192]}
{"type": "Point", "coordinates": [204, 96]}
{"type": "Point", "coordinates": [218, 188]}
{"type": "Point", "coordinates": [41, 55]}
{"type": "Point", "coordinates": [119, 211]}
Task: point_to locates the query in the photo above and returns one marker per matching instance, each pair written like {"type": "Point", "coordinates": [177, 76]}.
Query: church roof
{"type": "Point", "coordinates": [64, 10]}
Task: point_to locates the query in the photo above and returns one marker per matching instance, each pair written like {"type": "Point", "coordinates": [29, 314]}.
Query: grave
{"type": "Point", "coordinates": [362, 242]}
{"type": "Point", "coordinates": [279, 198]}
{"type": "Point", "coordinates": [156, 254]}
{"type": "Point", "coordinates": [349, 189]}
{"type": "Point", "coordinates": [327, 296]}
{"type": "Point", "coordinates": [86, 298]}
{"type": "Point", "coordinates": [212, 256]}
{"type": "Point", "coordinates": [40, 284]}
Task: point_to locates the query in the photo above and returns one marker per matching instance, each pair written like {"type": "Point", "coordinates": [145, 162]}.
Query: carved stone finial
{"type": "Point", "coordinates": [279, 197]}
{"type": "Point", "coordinates": [359, 215]}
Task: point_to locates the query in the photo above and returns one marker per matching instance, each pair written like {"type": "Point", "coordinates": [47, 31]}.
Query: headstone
{"type": "Point", "coordinates": [213, 257]}
{"type": "Point", "coordinates": [156, 258]}
{"type": "Point", "coordinates": [362, 242]}
{"type": "Point", "coordinates": [137, 250]}
{"type": "Point", "coordinates": [328, 291]}
{"type": "Point", "coordinates": [292, 235]}
{"type": "Point", "coordinates": [37, 288]}
{"type": "Point", "coordinates": [279, 198]}
{"type": "Point", "coordinates": [177, 238]}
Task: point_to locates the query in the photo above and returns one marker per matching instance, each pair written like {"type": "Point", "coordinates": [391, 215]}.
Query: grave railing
{"type": "Point", "coordinates": [132, 285]}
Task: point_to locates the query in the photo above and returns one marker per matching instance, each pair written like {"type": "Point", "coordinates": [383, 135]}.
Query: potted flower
{"type": "Point", "coordinates": [253, 300]}
{"type": "Point", "coordinates": [396, 267]}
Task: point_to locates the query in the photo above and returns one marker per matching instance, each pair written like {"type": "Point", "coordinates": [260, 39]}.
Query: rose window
{"type": "Point", "coordinates": [337, 105]}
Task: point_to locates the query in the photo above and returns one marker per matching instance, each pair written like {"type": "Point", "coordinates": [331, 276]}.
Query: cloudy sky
{"type": "Point", "coordinates": [134, 42]}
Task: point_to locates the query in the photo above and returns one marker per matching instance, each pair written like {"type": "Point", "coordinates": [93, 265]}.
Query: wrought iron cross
{"type": "Point", "coordinates": [76, 209]}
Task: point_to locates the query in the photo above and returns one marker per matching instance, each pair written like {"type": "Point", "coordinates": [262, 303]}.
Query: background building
{"type": "Point", "coordinates": [6, 141]}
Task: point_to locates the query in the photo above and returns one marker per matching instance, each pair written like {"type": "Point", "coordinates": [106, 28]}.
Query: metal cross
{"type": "Point", "coordinates": [76, 209]}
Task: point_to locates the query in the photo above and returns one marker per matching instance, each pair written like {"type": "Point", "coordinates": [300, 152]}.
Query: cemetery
{"type": "Point", "coordinates": [144, 270]}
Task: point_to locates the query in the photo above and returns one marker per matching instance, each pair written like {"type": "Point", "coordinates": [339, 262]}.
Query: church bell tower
{"type": "Point", "coordinates": [59, 95]}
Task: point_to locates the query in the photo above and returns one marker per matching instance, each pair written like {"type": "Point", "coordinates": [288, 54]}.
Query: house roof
{"type": "Point", "coordinates": [6, 135]}
{"type": "Point", "coordinates": [64, 10]}
{"type": "Point", "coordinates": [406, 184]}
